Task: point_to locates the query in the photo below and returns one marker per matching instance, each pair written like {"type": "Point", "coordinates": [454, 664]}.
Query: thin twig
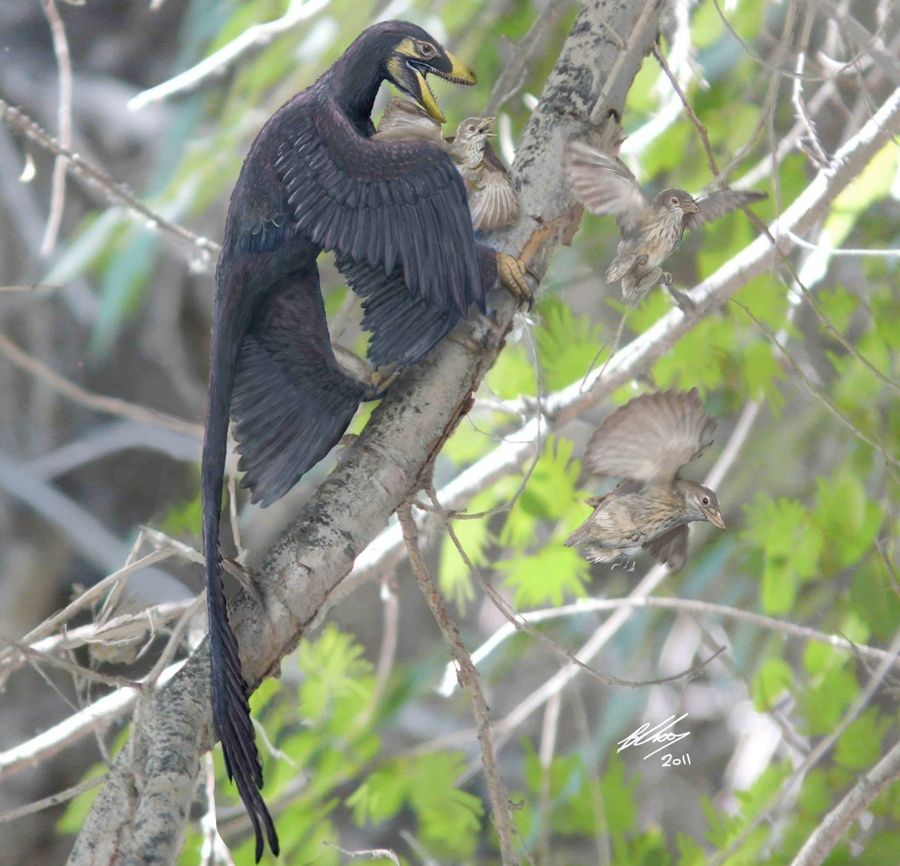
{"type": "Point", "coordinates": [257, 36]}
{"type": "Point", "coordinates": [125, 629]}
{"type": "Point", "coordinates": [832, 826]}
{"type": "Point", "coordinates": [516, 620]}
{"type": "Point", "coordinates": [889, 459]}
{"type": "Point", "coordinates": [98, 402]}
{"type": "Point", "coordinates": [701, 608]}
{"type": "Point", "coordinates": [791, 785]}
{"type": "Point", "coordinates": [53, 800]}
{"type": "Point", "coordinates": [96, 178]}
{"type": "Point", "coordinates": [468, 676]}
{"type": "Point", "coordinates": [64, 122]}
{"type": "Point", "coordinates": [213, 849]}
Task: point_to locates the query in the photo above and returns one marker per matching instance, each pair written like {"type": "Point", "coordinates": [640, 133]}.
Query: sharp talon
{"type": "Point", "coordinates": [513, 275]}
{"type": "Point", "coordinates": [380, 380]}
{"type": "Point", "coordinates": [685, 304]}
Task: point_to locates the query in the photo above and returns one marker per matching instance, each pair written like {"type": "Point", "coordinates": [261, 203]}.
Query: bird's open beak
{"type": "Point", "coordinates": [412, 79]}
{"type": "Point", "coordinates": [715, 518]}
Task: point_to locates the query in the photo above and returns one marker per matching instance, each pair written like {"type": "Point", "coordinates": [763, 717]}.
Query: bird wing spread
{"type": "Point", "coordinates": [718, 203]}
{"type": "Point", "coordinates": [603, 184]}
{"type": "Point", "coordinates": [670, 548]}
{"type": "Point", "coordinates": [390, 204]}
{"type": "Point", "coordinates": [404, 328]}
{"type": "Point", "coordinates": [291, 401]}
{"type": "Point", "coordinates": [651, 437]}
{"type": "Point", "coordinates": [494, 203]}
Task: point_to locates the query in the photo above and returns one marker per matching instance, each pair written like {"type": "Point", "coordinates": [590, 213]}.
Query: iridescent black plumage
{"type": "Point", "coordinates": [395, 215]}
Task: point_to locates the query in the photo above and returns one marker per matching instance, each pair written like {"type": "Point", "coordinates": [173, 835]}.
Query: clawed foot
{"type": "Point", "coordinates": [666, 278]}
{"type": "Point", "coordinates": [380, 379]}
{"type": "Point", "coordinates": [514, 275]}
{"type": "Point", "coordinates": [685, 304]}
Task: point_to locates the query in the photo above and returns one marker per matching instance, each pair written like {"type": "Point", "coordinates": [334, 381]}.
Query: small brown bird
{"type": "Point", "coordinates": [650, 230]}
{"type": "Point", "coordinates": [645, 443]}
{"type": "Point", "coordinates": [404, 119]}
{"type": "Point", "coordinates": [492, 199]}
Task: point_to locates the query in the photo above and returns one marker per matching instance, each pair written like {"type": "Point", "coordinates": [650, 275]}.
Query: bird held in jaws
{"type": "Point", "coordinates": [493, 201]}
{"type": "Point", "coordinates": [650, 229]}
{"type": "Point", "coordinates": [645, 443]}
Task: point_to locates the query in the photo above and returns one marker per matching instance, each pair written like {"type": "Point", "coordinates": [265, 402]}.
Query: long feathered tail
{"type": "Point", "coordinates": [277, 376]}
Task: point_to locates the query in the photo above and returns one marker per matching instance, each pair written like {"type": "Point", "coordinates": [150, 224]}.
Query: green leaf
{"type": "Point", "coordinates": [338, 682]}
{"type": "Point", "coordinates": [770, 681]}
{"type": "Point", "coordinates": [790, 540]}
{"type": "Point", "coordinates": [567, 344]}
{"type": "Point", "coordinates": [860, 745]}
{"type": "Point", "coordinates": [850, 520]}
{"type": "Point", "coordinates": [826, 701]}
{"type": "Point", "coordinates": [448, 818]}
{"type": "Point", "coordinates": [546, 576]}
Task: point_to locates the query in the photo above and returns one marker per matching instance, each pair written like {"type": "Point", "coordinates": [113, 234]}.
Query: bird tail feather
{"type": "Point", "coordinates": [231, 711]}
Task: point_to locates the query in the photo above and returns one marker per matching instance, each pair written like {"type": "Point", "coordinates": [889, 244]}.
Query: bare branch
{"type": "Point", "coordinates": [469, 679]}
{"type": "Point", "coordinates": [99, 402]}
{"type": "Point", "coordinates": [64, 121]}
{"type": "Point", "coordinates": [220, 61]}
{"type": "Point", "coordinates": [830, 829]}
{"type": "Point", "coordinates": [96, 178]}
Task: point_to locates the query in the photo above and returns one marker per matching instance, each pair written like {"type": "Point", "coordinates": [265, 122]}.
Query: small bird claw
{"type": "Point", "coordinates": [380, 379]}
{"type": "Point", "coordinates": [513, 275]}
{"type": "Point", "coordinates": [684, 302]}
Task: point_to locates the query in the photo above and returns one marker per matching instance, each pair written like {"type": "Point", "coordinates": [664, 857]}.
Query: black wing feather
{"type": "Point", "coordinates": [291, 402]}
{"type": "Point", "coordinates": [386, 203]}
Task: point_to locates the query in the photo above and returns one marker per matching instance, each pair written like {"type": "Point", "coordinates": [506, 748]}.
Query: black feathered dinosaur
{"type": "Point", "coordinates": [396, 217]}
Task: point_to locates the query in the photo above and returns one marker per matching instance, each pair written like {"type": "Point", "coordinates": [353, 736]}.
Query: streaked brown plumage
{"type": "Point", "coordinates": [645, 443]}
{"type": "Point", "coordinates": [492, 200]}
{"type": "Point", "coordinates": [650, 230]}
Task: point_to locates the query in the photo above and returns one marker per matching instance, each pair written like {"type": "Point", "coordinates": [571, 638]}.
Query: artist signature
{"type": "Point", "coordinates": [661, 733]}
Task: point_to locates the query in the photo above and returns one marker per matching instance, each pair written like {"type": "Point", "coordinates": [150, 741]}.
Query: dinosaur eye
{"type": "Point", "coordinates": [704, 500]}
{"type": "Point", "coordinates": [426, 50]}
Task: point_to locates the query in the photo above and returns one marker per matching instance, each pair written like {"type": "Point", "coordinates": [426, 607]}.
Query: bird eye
{"type": "Point", "coordinates": [674, 199]}
{"type": "Point", "coordinates": [426, 50]}
{"type": "Point", "coordinates": [705, 500]}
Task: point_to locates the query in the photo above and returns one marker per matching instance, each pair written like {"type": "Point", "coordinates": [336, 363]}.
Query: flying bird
{"type": "Point", "coordinates": [396, 216]}
{"type": "Point", "coordinates": [650, 229]}
{"type": "Point", "coordinates": [492, 199]}
{"type": "Point", "coordinates": [645, 443]}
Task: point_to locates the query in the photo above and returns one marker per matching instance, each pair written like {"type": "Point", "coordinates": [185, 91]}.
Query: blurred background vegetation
{"type": "Point", "coordinates": [365, 753]}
